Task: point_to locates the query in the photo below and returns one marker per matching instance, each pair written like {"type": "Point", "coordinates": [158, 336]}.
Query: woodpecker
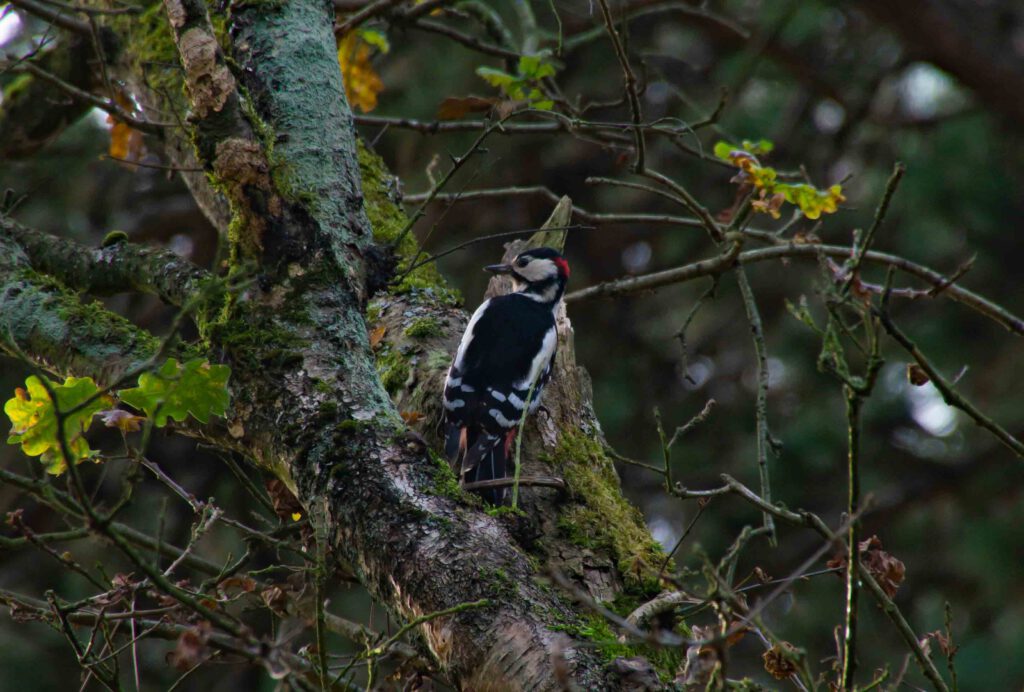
{"type": "Point", "coordinates": [507, 349]}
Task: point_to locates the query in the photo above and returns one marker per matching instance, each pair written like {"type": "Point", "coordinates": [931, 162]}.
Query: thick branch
{"type": "Point", "coordinates": [114, 268]}
{"type": "Point", "coordinates": [59, 332]}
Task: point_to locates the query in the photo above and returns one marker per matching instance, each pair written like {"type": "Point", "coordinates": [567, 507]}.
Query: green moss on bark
{"type": "Point", "coordinates": [394, 368]}
{"type": "Point", "coordinates": [595, 629]}
{"type": "Point", "coordinates": [424, 328]}
{"type": "Point", "coordinates": [253, 338]}
{"type": "Point", "coordinates": [150, 46]}
{"type": "Point", "coordinates": [388, 222]}
{"type": "Point", "coordinates": [601, 518]}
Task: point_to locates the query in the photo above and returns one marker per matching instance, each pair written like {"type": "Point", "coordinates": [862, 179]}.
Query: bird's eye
{"type": "Point", "coordinates": [522, 261]}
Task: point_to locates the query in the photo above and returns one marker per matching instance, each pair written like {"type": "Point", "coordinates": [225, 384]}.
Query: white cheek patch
{"type": "Point", "coordinates": [539, 270]}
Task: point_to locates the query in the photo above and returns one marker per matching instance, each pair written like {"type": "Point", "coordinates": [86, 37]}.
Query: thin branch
{"type": "Point", "coordinates": [465, 39]}
{"type": "Point", "coordinates": [761, 406]}
{"type": "Point", "coordinates": [597, 218]}
{"type": "Point", "coordinates": [691, 203]}
{"type": "Point", "coordinates": [631, 86]}
{"type": "Point", "coordinates": [457, 163]}
{"type": "Point", "coordinates": [373, 9]}
{"type": "Point", "coordinates": [92, 11]}
{"type": "Point", "coordinates": [58, 17]}
{"type": "Point", "coordinates": [153, 166]}
{"type": "Point", "coordinates": [949, 395]}
{"type": "Point", "coordinates": [890, 608]}
{"type": "Point", "coordinates": [527, 481]}
{"type": "Point", "coordinates": [883, 207]}
{"type": "Point", "coordinates": [107, 105]}
{"type": "Point", "coordinates": [710, 267]}
{"type": "Point", "coordinates": [484, 239]}
{"type": "Point", "coordinates": [436, 126]}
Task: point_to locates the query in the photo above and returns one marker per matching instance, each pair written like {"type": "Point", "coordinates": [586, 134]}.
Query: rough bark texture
{"type": "Point", "coordinates": [313, 403]}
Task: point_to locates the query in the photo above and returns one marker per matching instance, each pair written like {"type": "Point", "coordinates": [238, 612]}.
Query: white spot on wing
{"type": "Point", "coordinates": [497, 395]}
{"type": "Point", "coordinates": [452, 405]}
{"type": "Point", "coordinates": [500, 418]}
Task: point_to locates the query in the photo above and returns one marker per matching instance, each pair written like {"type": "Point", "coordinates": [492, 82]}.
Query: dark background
{"type": "Point", "coordinates": [841, 93]}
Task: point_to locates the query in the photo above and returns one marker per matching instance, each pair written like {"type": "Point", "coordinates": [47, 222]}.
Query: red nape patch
{"type": "Point", "coordinates": [563, 266]}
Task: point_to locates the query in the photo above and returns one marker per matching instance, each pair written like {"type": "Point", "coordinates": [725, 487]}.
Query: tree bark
{"type": "Point", "coordinates": [312, 401]}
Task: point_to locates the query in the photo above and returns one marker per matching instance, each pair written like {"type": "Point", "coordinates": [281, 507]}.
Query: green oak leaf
{"type": "Point", "coordinates": [175, 391]}
{"type": "Point", "coordinates": [34, 419]}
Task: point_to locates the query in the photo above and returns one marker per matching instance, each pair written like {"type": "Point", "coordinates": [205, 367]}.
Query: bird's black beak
{"type": "Point", "coordinates": [499, 268]}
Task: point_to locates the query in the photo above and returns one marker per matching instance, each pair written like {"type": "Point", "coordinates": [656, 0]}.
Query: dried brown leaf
{"type": "Point", "coordinates": [191, 648]}
{"type": "Point", "coordinates": [458, 107]}
{"type": "Point", "coordinates": [779, 660]}
{"type": "Point", "coordinates": [412, 417]}
{"type": "Point", "coordinates": [916, 375]}
{"type": "Point", "coordinates": [887, 570]}
{"type": "Point", "coordinates": [376, 335]}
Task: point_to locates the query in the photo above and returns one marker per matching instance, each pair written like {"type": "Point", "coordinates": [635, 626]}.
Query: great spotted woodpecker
{"type": "Point", "coordinates": [507, 350]}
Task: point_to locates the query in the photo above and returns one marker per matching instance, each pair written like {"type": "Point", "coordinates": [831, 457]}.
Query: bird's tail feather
{"type": "Point", "coordinates": [486, 460]}
{"type": "Point", "coordinates": [477, 455]}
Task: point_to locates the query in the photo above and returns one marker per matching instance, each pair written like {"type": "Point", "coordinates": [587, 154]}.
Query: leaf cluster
{"type": "Point", "coordinates": [49, 420]}
{"type": "Point", "coordinates": [524, 85]}
{"type": "Point", "coordinates": [771, 192]}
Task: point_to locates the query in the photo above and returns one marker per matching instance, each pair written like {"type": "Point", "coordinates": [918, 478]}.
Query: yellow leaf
{"type": "Point", "coordinates": [362, 83]}
{"type": "Point", "coordinates": [125, 142]}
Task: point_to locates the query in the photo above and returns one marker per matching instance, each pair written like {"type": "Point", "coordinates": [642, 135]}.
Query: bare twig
{"type": "Point", "coordinates": [761, 405]}
{"type": "Point", "coordinates": [710, 267]}
{"type": "Point", "coordinates": [58, 16]}
{"type": "Point", "coordinates": [107, 105]}
{"type": "Point", "coordinates": [950, 395]}
{"type": "Point", "coordinates": [631, 86]}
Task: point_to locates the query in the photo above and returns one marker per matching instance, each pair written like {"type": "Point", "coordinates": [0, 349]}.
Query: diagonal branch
{"type": "Point", "coordinates": [54, 15]}
{"type": "Point", "coordinates": [34, 111]}
{"type": "Point", "coordinates": [29, 67]}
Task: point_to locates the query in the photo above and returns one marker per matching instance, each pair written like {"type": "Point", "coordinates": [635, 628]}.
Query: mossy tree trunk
{"type": "Point", "coordinates": [313, 402]}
